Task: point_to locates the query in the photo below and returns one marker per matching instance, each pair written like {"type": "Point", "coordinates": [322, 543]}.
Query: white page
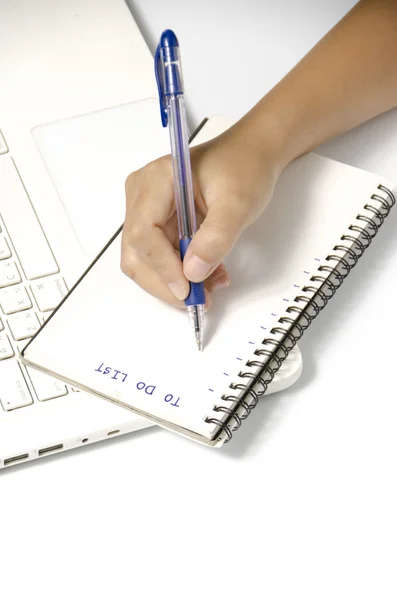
{"type": "Point", "coordinates": [109, 321]}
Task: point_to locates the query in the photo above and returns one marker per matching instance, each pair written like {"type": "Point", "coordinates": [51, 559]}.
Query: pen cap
{"type": "Point", "coordinates": [169, 52]}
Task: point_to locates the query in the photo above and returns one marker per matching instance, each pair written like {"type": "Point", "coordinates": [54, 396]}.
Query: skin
{"type": "Point", "coordinates": [349, 77]}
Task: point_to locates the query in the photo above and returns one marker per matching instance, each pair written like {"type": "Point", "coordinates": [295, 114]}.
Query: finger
{"type": "Point", "coordinates": [149, 192]}
{"type": "Point", "coordinates": [149, 207]}
{"type": "Point", "coordinates": [218, 279]}
{"type": "Point", "coordinates": [143, 275]}
{"type": "Point", "coordinates": [154, 248]}
{"type": "Point", "coordinates": [224, 223]}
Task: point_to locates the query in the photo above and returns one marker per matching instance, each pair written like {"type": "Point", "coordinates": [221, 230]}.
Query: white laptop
{"type": "Point", "coordinates": [74, 122]}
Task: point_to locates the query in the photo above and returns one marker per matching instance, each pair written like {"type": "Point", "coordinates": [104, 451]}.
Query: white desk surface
{"type": "Point", "coordinates": [302, 503]}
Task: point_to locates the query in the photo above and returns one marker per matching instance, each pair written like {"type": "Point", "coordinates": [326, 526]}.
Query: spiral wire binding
{"type": "Point", "coordinates": [293, 325]}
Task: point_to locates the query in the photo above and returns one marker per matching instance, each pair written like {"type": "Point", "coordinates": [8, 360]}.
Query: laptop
{"type": "Point", "coordinates": [78, 113]}
{"type": "Point", "coordinates": [63, 59]}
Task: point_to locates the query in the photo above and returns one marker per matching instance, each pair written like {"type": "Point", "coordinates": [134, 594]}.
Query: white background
{"type": "Point", "coordinates": [302, 503]}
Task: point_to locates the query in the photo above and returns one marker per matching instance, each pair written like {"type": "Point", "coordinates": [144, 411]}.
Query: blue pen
{"type": "Point", "coordinates": [173, 113]}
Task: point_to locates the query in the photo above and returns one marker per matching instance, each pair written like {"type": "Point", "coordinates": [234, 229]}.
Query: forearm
{"type": "Point", "coordinates": [349, 77]}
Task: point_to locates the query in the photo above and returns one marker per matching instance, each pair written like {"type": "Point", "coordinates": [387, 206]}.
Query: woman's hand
{"type": "Point", "coordinates": [327, 93]}
{"type": "Point", "coordinates": [233, 182]}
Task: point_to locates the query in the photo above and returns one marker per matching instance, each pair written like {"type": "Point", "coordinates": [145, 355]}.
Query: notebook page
{"type": "Point", "coordinates": [115, 339]}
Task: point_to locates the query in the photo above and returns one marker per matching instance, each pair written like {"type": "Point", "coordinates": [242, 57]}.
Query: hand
{"type": "Point", "coordinates": [232, 182]}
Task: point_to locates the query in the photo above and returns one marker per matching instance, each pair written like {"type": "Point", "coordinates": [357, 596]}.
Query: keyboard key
{"type": "Point", "coordinates": [23, 325]}
{"type": "Point", "coordinates": [14, 299]}
{"type": "Point", "coordinates": [46, 387]}
{"type": "Point", "coordinates": [6, 350]}
{"type": "Point", "coordinates": [49, 292]}
{"type": "Point", "coordinates": [5, 251]}
{"type": "Point", "coordinates": [14, 393]}
{"type": "Point", "coordinates": [3, 145]}
{"type": "Point", "coordinates": [1, 325]}
{"type": "Point", "coordinates": [9, 274]}
{"type": "Point", "coordinates": [22, 224]}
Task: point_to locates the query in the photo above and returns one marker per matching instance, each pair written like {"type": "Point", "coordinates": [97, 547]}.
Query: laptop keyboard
{"type": "Point", "coordinates": [31, 286]}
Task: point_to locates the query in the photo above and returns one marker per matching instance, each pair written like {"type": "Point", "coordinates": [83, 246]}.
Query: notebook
{"type": "Point", "coordinates": [112, 339]}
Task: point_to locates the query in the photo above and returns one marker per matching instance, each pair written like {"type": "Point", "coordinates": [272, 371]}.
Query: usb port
{"type": "Point", "coordinates": [14, 459]}
{"type": "Point", "coordinates": [114, 432]}
{"type": "Point", "coordinates": [50, 449]}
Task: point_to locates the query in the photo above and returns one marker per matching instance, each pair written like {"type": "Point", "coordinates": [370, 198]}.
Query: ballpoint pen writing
{"type": "Point", "coordinates": [173, 113]}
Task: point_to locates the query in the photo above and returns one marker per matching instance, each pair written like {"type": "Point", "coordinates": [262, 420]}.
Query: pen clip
{"type": "Point", "coordinates": [160, 79]}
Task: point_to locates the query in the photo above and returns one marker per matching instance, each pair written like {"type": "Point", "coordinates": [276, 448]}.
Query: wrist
{"type": "Point", "coordinates": [282, 125]}
{"type": "Point", "coordinates": [263, 135]}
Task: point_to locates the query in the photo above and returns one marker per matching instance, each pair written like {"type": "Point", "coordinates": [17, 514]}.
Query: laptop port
{"type": "Point", "coordinates": [14, 459]}
{"type": "Point", "coordinates": [114, 432]}
{"type": "Point", "coordinates": [50, 449]}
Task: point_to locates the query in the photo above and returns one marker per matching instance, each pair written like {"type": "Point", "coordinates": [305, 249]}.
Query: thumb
{"type": "Point", "coordinates": [220, 230]}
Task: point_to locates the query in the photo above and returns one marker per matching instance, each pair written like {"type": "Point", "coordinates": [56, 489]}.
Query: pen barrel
{"type": "Point", "coordinates": [183, 184]}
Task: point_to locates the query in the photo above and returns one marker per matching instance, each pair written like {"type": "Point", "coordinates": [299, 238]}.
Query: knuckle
{"type": "Point", "coordinates": [220, 247]}
{"type": "Point", "coordinates": [164, 162]}
{"type": "Point", "coordinates": [131, 180]}
{"type": "Point", "coordinates": [134, 235]}
{"type": "Point", "coordinates": [161, 167]}
{"type": "Point", "coordinates": [129, 265]}
{"type": "Point", "coordinates": [125, 266]}
{"type": "Point", "coordinates": [239, 206]}
{"type": "Point", "coordinates": [219, 237]}
{"type": "Point", "coordinates": [139, 238]}
{"type": "Point", "coordinates": [246, 207]}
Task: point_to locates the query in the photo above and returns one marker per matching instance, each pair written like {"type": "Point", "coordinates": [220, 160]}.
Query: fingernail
{"type": "Point", "coordinates": [196, 269]}
{"type": "Point", "coordinates": [221, 282]}
{"type": "Point", "coordinates": [178, 290]}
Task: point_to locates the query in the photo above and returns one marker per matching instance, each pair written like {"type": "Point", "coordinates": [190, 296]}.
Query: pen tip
{"type": "Point", "coordinates": [199, 342]}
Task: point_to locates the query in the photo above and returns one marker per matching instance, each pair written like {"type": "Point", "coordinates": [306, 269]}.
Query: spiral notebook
{"type": "Point", "coordinates": [112, 339]}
